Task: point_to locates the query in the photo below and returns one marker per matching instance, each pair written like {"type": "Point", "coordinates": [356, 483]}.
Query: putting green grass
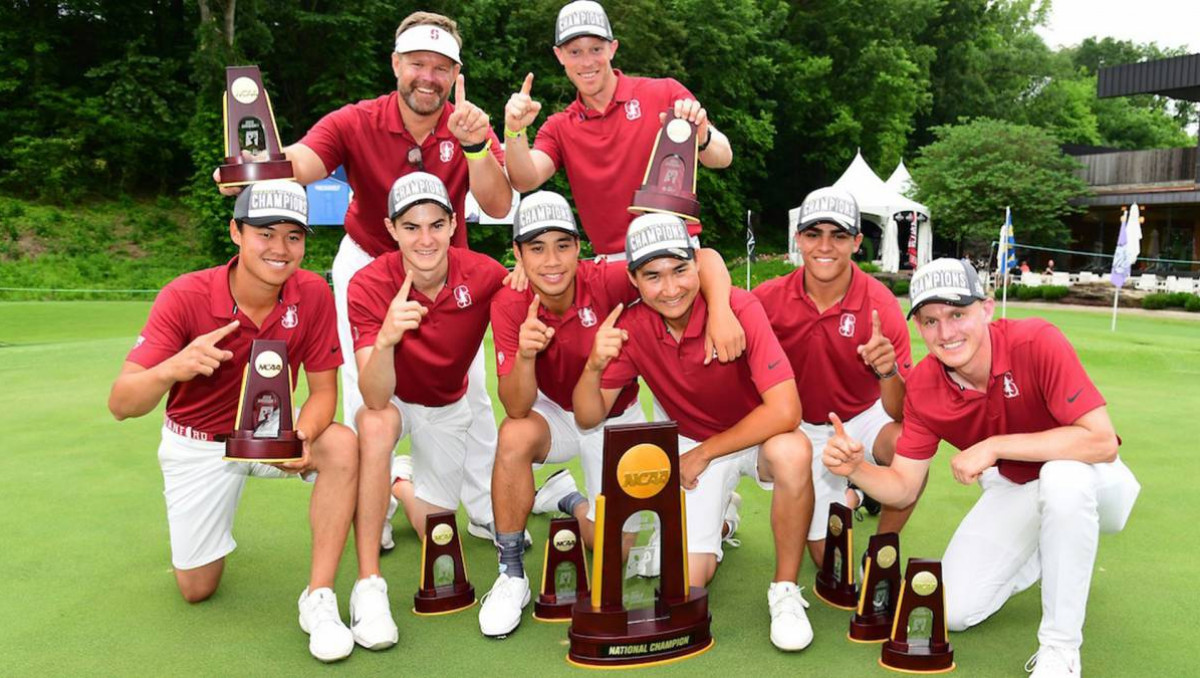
{"type": "Point", "coordinates": [87, 586]}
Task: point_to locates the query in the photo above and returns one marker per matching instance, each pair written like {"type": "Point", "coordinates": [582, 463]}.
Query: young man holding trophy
{"type": "Point", "coordinates": [194, 348]}
{"type": "Point", "coordinates": [1033, 431]}
{"type": "Point", "coordinates": [736, 418]}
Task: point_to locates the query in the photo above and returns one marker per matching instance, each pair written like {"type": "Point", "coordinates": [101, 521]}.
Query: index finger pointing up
{"type": "Point", "coordinates": [460, 90]}
{"type": "Point", "coordinates": [533, 308]}
{"type": "Point", "coordinates": [611, 320]}
{"type": "Point", "coordinates": [406, 286]}
{"type": "Point", "coordinates": [876, 325]}
{"type": "Point", "coordinates": [527, 85]}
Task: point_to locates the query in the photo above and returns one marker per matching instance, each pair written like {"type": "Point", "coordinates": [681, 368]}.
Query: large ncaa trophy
{"type": "Point", "coordinates": [872, 621]}
{"type": "Point", "coordinates": [564, 573]}
{"type": "Point", "coordinates": [250, 126]}
{"type": "Point", "coordinates": [670, 182]}
{"type": "Point", "coordinates": [919, 643]}
{"type": "Point", "coordinates": [264, 419]}
{"type": "Point", "coordinates": [444, 586]}
{"type": "Point", "coordinates": [640, 472]}
{"type": "Point", "coordinates": [835, 580]}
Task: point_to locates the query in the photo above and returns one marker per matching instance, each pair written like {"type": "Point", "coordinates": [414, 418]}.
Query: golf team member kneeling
{"type": "Point", "coordinates": [194, 346]}
{"type": "Point", "coordinates": [736, 418]}
{"type": "Point", "coordinates": [1033, 430]}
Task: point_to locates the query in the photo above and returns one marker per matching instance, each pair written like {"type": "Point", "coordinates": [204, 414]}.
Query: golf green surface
{"type": "Point", "coordinates": [88, 590]}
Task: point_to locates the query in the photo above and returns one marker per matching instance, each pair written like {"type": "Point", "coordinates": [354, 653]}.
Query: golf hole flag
{"type": "Point", "coordinates": [1006, 258]}
{"type": "Point", "coordinates": [1129, 246]}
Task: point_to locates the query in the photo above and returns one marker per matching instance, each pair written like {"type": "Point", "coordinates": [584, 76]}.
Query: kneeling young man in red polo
{"type": "Point", "coordinates": [418, 316]}
{"type": "Point", "coordinates": [193, 349]}
{"type": "Point", "coordinates": [1033, 431]}
{"type": "Point", "coordinates": [543, 336]}
{"type": "Point", "coordinates": [736, 418]}
{"type": "Point", "coordinates": [844, 333]}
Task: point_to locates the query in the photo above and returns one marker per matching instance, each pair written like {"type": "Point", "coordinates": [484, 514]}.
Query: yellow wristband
{"type": "Point", "coordinates": [480, 153]}
{"type": "Point", "coordinates": [509, 134]}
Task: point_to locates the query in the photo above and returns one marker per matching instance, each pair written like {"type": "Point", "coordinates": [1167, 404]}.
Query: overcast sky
{"type": "Point", "coordinates": [1170, 23]}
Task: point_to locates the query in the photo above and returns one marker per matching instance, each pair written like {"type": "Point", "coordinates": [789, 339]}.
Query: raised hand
{"type": "Point", "coordinates": [535, 336]}
{"type": "Point", "coordinates": [468, 123]}
{"type": "Point", "coordinates": [521, 110]}
{"type": "Point", "coordinates": [843, 454]}
{"type": "Point", "coordinates": [403, 315]}
{"type": "Point", "coordinates": [201, 357]}
{"type": "Point", "coordinates": [608, 342]}
{"type": "Point", "coordinates": [693, 112]}
{"type": "Point", "coordinates": [878, 353]}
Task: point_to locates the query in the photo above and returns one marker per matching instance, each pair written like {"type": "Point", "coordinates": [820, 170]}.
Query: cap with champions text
{"type": "Point", "coordinates": [830, 205]}
{"type": "Point", "coordinates": [414, 188]}
{"type": "Point", "coordinates": [429, 38]}
{"type": "Point", "coordinates": [655, 235]}
{"type": "Point", "coordinates": [945, 281]}
{"type": "Point", "coordinates": [579, 18]}
{"type": "Point", "coordinates": [540, 212]}
{"type": "Point", "coordinates": [270, 202]}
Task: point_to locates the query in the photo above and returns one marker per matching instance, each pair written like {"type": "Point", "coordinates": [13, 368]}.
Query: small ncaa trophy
{"type": "Point", "coordinates": [250, 126]}
{"type": "Point", "coordinates": [835, 580]}
{"type": "Point", "coordinates": [919, 642]}
{"type": "Point", "coordinates": [670, 182]}
{"type": "Point", "coordinates": [444, 586]}
{"type": "Point", "coordinates": [872, 621]}
{"type": "Point", "coordinates": [564, 573]}
{"type": "Point", "coordinates": [264, 420]}
{"type": "Point", "coordinates": [640, 472]}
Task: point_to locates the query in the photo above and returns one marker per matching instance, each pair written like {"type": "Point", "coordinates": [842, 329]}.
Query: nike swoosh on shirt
{"type": "Point", "coordinates": [773, 365]}
{"type": "Point", "coordinates": [1072, 398]}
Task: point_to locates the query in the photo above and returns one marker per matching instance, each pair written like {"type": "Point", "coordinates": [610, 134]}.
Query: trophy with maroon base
{"type": "Point", "coordinates": [564, 573]}
{"type": "Point", "coordinates": [264, 430]}
{"type": "Point", "coordinates": [872, 621]}
{"type": "Point", "coordinates": [444, 586]}
{"type": "Point", "coordinates": [835, 580]}
{"type": "Point", "coordinates": [640, 472]}
{"type": "Point", "coordinates": [919, 643]}
{"type": "Point", "coordinates": [250, 127]}
{"type": "Point", "coordinates": [670, 182]}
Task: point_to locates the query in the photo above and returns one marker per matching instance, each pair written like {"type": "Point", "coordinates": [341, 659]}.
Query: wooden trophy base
{"type": "Point", "coordinates": [444, 601]}
{"type": "Point", "coordinates": [837, 595]}
{"type": "Point", "coordinates": [243, 446]}
{"type": "Point", "coordinates": [906, 659]}
{"type": "Point", "coordinates": [649, 200]}
{"type": "Point", "coordinates": [239, 171]}
{"type": "Point", "coordinates": [873, 628]}
{"type": "Point", "coordinates": [551, 611]}
{"type": "Point", "coordinates": [603, 640]}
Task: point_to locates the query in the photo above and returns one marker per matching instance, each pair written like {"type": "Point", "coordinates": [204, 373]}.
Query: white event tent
{"type": "Point", "coordinates": [880, 201]}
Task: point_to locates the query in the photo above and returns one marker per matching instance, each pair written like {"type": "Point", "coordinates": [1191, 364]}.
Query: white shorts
{"type": "Point", "coordinates": [439, 449]}
{"type": "Point", "coordinates": [828, 487]}
{"type": "Point", "coordinates": [202, 492]}
{"type": "Point", "coordinates": [568, 441]}
{"type": "Point", "coordinates": [706, 503]}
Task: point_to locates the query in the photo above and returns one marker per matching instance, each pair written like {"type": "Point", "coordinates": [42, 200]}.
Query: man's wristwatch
{"type": "Point", "coordinates": [707, 140]}
{"type": "Point", "coordinates": [895, 370]}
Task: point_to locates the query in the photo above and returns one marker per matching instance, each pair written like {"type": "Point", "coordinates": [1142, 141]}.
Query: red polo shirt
{"type": "Point", "coordinates": [606, 153]}
{"type": "Point", "coordinates": [198, 303]}
{"type": "Point", "coordinates": [704, 399]}
{"type": "Point", "coordinates": [369, 139]}
{"type": "Point", "coordinates": [1037, 384]}
{"type": "Point", "coordinates": [823, 347]}
{"type": "Point", "coordinates": [431, 361]}
{"type": "Point", "coordinates": [599, 288]}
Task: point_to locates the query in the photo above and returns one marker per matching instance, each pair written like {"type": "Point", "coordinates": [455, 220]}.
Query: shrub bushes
{"type": "Point", "coordinates": [1193, 304]}
{"type": "Point", "coordinates": [1155, 301]}
{"type": "Point", "coordinates": [1054, 292]}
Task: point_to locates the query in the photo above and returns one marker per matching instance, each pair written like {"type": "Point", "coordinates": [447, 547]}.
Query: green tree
{"type": "Point", "coordinates": [973, 170]}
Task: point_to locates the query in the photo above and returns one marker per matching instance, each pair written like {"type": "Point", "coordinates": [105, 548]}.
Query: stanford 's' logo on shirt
{"type": "Point", "coordinates": [587, 317]}
{"type": "Point", "coordinates": [446, 151]}
{"type": "Point", "coordinates": [633, 109]}
{"type": "Point", "coordinates": [462, 296]}
{"type": "Point", "coordinates": [1010, 386]}
{"type": "Point", "coordinates": [290, 318]}
{"type": "Point", "coordinates": [846, 325]}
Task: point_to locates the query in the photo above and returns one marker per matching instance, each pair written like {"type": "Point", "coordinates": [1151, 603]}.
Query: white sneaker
{"type": "Point", "coordinates": [732, 518]}
{"type": "Point", "coordinates": [482, 531]}
{"type": "Point", "coordinates": [371, 614]}
{"type": "Point", "coordinates": [501, 609]}
{"type": "Point", "coordinates": [554, 489]}
{"type": "Point", "coordinates": [328, 638]}
{"type": "Point", "coordinates": [1054, 662]}
{"type": "Point", "coordinates": [386, 542]}
{"type": "Point", "coordinates": [790, 629]}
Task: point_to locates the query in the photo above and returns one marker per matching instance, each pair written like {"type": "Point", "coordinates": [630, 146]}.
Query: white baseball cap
{"type": "Point", "coordinates": [270, 202]}
{"type": "Point", "coordinates": [582, 17]}
{"type": "Point", "coordinates": [428, 38]}
{"type": "Point", "coordinates": [945, 281]}
{"type": "Point", "coordinates": [655, 235]}
{"type": "Point", "coordinates": [540, 212]}
{"type": "Point", "coordinates": [417, 187]}
{"type": "Point", "coordinates": [830, 205]}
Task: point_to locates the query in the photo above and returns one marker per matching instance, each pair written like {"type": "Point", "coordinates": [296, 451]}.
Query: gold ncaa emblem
{"type": "Point", "coordinates": [886, 557]}
{"type": "Point", "coordinates": [643, 471]}
{"type": "Point", "coordinates": [835, 526]}
{"type": "Point", "coordinates": [564, 540]}
{"type": "Point", "coordinates": [442, 534]}
{"type": "Point", "coordinates": [924, 583]}
{"type": "Point", "coordinates": [678, 130]}
{"type": "Point", "coordinates": [244, 90]}
{"type": "Point", "coordinates": [268, 364]}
